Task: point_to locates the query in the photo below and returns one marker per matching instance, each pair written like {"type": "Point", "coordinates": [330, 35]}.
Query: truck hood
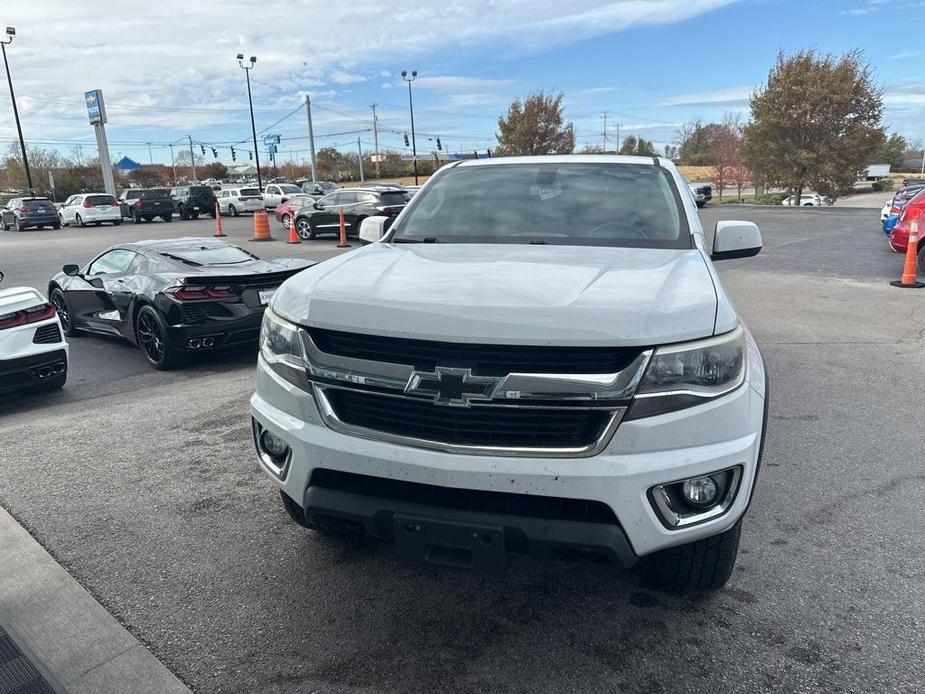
{"type": "Point", "coordinates": [508, 294]}
{"type": "Point", "coordinates": [14, 299]}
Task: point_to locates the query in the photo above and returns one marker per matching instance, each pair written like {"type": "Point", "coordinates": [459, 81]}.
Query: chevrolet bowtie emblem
{"type": "Point", "coordinates": [448, 386]}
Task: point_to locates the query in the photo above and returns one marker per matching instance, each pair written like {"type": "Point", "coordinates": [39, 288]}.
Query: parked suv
{"type": "Point", "coordinates": [151, 203]}
{"type": "Point", "coordinates": [537, 357]}
{"type": "Point", "coordinates": [90, 208]}
{"type": "Point", "coordinates": [23, 213]}
{"type": "Point", "coordinates": [192, 201]}
{"type": "Point", "coordinates": [323, 217]}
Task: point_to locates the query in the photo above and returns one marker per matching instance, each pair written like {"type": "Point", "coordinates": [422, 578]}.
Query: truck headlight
{"type": "Point", "coordinates": [690, 373]}
{"type": "Point", "coordinates": [279, 342]}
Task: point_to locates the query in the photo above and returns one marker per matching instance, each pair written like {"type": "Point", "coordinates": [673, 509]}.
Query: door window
{"type": "Point", "coordinates": [116, 260]}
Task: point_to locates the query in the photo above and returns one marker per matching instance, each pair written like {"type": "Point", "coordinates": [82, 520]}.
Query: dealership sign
{"type": "Point", "coordinates": [95, 108]}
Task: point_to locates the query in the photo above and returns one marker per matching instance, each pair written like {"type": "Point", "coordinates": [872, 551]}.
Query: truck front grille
{"type": "Point", "coordinates": [484, 360]}
{"type": "Point", "coordinates": [496, 426]}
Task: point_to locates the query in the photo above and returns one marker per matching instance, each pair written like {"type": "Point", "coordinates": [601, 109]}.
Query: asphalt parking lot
{"type": "Point", "coordinates": [143, 485]}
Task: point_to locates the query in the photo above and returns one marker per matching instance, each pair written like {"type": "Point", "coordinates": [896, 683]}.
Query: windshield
{"type": "Point", "coordinates": [591, 204]}
{"type": "Point", "coordinates": [36, 203]}
{"type": "Point", "coordinates": [100, 200]}
{"type": "Point", "coordinates": [248, 191]}
{"type": "Point", "coordinates": [220, 255]}
{"type": "Point", "coordinates": [155, 193]}
{"type": "Point", "coordinates": [394, 198]}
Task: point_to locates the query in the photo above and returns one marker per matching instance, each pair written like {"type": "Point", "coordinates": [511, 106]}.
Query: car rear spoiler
{"type": "Point", "coordinates": [254, 280]}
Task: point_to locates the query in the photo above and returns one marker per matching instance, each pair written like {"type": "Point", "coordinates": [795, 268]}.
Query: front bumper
{"type": "Point", "coordinates": [719, 435]}
{"type": "Point", "coordinates": [25, 372]}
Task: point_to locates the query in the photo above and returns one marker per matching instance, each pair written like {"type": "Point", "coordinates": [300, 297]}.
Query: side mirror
{"type": "Point", "coordinates": [735, 240]}
{"type": "Point", "coordinates": [1, 275]}
{"type": "Point", "coordinates": [317, 205]}
{"type": "Point", "coordinates": [283, 199]}
{"type": "Point", "coordinates": [373, 228]}
{"type": "Point", "coordinates": [71, 270]}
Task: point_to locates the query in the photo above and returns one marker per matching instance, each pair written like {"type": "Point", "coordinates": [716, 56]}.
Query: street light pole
{"type": "Point", "coordinates": [250, 102]}
{"type": "Point", "coordinates": [414, 148]}
{"type": "Point", "coordinates": [11, 32]}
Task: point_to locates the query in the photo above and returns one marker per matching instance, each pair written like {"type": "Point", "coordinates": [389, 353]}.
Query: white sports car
{"type": "Point", "coordinates": [33, 352]}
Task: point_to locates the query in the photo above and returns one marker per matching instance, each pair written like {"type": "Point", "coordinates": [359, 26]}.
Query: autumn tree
{"type": "Point", "coordinates": [697, 143]}
{"type": "Point", "coordinates": [534, 125]}
{"type": "Point", "coordinates": [726, 152]}
{"type": "Point", "coordinates": [891, 151]}
{"type": "Point", "coordinates": [815, 123]}
{"type": "Point", "coordinates": [215, 170]}
{"type": "Point", "coordinates": [637, 145]}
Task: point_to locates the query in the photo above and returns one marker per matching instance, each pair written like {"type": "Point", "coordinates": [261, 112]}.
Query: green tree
{"type": "Point", "coordinates": [637, 145]}
{"type": "Point", "coordinates": [815, 123]}
{"type": "Point", "coordinates": [892, 151]}
{"type": "Point", "coordinates": [534, 125]}
{"type": "Point", "coordinates": [697, 143]}
{"type": "Point", "coordinates": [215, 170]}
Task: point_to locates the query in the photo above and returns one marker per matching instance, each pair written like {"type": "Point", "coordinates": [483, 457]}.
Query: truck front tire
{"type": "Point", "coordinates": [702, 565]}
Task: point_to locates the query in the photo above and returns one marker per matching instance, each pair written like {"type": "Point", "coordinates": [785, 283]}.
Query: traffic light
{"type": "Point", "coordinates": [407, 144]}
{"type": "Point", "coordinates": [439, 146]}
{"type": "Point", "coordinates": [234, 157]}
{"type": "Point", "coordinates": [214, 152]}
{"type": "Point", "coordinates": [250, 155]}
{"type": "Point", "coordinates": [203, 148]}
{"type": "Point", "coordinates": [489, 154]}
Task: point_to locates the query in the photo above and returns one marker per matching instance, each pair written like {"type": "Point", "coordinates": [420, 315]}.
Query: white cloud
{"type": "Point", "coordinates": [386, 85]}
{"type": "Point", "coordinates": [598, 90]}
{"type": "Point", "coordinates": [459, 84]}
{"type": "Point", "coordinates": [858, 11]}
{"type": "Point", "coordinates": [344, 77]}
{"type": "Point", "coordinates": [905, 55]}
{"type": "Point", "coordinates": [722, 97]}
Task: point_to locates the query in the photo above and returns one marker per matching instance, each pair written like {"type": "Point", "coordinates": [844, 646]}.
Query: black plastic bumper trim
{"type": "Point", "coordinates": [540, 538]}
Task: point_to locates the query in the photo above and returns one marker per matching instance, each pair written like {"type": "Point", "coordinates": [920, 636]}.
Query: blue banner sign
{"type": "Point", "coordinates": [95, 108]}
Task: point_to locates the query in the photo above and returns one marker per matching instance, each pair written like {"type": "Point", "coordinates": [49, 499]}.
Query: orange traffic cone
{"type": "Point", "coordinates": [343, 232]}
{"type": "Point", "coordinates": [909, 279]}
{"type": "Point", "coordinates": [293, 236]}
{"type": "Point", "coordinates": [261, 226]}
{"type": "Point", "coordinates": [218, 221]}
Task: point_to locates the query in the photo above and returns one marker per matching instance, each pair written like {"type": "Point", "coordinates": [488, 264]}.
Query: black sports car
{"type": "Point", "coordinates": [172, 297]}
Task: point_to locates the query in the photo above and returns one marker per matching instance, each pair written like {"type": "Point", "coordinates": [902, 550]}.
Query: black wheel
{"type": "Point", "coordinates": [355, 229]}
{"type": "Point", "coordinates": [298, 517]}
{"type": "Point", "coordinates": [56, 225]}
{"type": "Point", "coordinates": [136, 218]}
{"type": "Point", "coordinates": [64, 312]}
{"type": "Point", "coordinates": [702, 565]}
{"type": "Point", "coordinates": [233, 211]}
{"type": "Point", "coordinates": [61, 219]}
{"type": "Point", "coordinates": [212, 214]}
{"type": "Point", "coordinates": [922, 258]}
{"type": "Point", "coordinates": [194, 215]}
{"type": "Point", "coordinates": [6, 227]}
{"type": "Point", "coordinates": [79, 221]}
{"type": "Point", "coordinates": [151, 333]}
{"type": "Point", "coordinates": [117, 222]}
{"type": "Point", "coordinates": [167, 217]}
{"type": "Point", "coordinates": [701, 204]}
{"type": "Point", "coordinates": [17, 225]}
{"type": "Point", "coordinates": [303, 228]}
{"type": "Point", "coordinates": [184, 213]}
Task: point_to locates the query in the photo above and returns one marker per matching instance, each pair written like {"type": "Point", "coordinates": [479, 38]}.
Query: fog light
{"type": "Point", "coordinates": [700, 491]}
{"type": "Point", "coordinates": [273, 445]}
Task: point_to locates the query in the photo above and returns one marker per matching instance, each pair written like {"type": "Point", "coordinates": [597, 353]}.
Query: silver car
{"type": "Point", "coordinates": [234, 201]}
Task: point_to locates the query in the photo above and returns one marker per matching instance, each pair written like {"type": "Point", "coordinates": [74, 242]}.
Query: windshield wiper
{"type": "Point", "coordinates": [426, 239]}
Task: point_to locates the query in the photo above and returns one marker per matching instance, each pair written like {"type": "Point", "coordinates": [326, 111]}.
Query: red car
{"type": "Point", "coordinates": [914, 210]}
{"type": "Point", "coordinates": [285, 211]}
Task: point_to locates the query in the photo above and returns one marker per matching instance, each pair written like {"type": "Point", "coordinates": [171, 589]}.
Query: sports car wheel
{"type": "Point", "coordinates": [64, 312]}
{"type": "Point", "coordinates": [151, 333]}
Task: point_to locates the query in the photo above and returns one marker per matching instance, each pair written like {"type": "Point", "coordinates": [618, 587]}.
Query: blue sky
{"type": "Point", "coordinates": [652, 64]}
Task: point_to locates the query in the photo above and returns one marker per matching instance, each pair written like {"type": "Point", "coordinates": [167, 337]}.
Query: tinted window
{"type": "Point", "coordinates": [249, 192]}
{"type": "Point", "coordinates": [289, 188]}
{"type": "Point", "coordinates": [36, 204]}
{"type": "Point", "coordinates": [155, 193]}
{"type": "Point", "coordinates": [218, 255]}
{"type": "Point", "coordinates": [329, 200]}
{"type": "Point", "coordinates": [592, 204]}
{"type": "Point", "coordinates": [101, 200]}
{"type": "Point", "coordinates": [113, 261]}
{"type": "Point", "coordinates": [393, 198]}
{"type": "Point", "coordinates": [196, 190]}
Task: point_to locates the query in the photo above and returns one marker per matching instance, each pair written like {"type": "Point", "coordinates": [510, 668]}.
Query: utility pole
{"type": "Point", "coordinates": [11, 32]}
{"type": "Point", "coordinates": [618, 138]}
{"type": "Point", "coordinates": [375, 137]}
{"type": "Point", "coordinates": [150, 156]}
{"type": "Point", "coordinates": [192, 157]}
{"type": "Point", "coordinates": [604, 133]}
{"type": "Point", "coordinates": [311, 137]}
{"type": "Point", "coordinates": [173, 166]}
{"type": "Point", "coordinates": [360, 152]}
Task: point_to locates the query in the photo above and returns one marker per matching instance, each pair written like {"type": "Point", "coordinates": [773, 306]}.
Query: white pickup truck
{"type": "Point", "coordinates": [536, 357]}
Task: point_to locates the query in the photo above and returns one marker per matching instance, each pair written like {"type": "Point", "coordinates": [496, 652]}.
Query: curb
{"type": "Point", "coordinates": [65, 631]}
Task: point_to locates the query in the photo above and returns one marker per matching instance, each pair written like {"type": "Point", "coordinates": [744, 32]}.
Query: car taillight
{"type": "Point", "coordinates": [87, 203]}
{"type": "Point", "coordinates": [23, 209]}
{"type": "Point", "coordinates": [184, 293]}
{"type": "Point", "coordinates": [390, 209]}
{"type": "Point", "coordinates": [29, 315]}
{"type": "Point", "coordinates": [138, 203]}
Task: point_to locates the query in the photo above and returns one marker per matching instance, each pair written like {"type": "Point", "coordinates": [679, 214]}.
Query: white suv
{"type": "Point", "coordinates": [33, 353]}
{"type": "Point", "coordinates": [537, 357]}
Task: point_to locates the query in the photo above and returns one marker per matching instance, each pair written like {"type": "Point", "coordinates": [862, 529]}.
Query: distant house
{"type": "Point", "coordinates": [241, 172]}
{"type": "Point", "coordinates": [126, 165]}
